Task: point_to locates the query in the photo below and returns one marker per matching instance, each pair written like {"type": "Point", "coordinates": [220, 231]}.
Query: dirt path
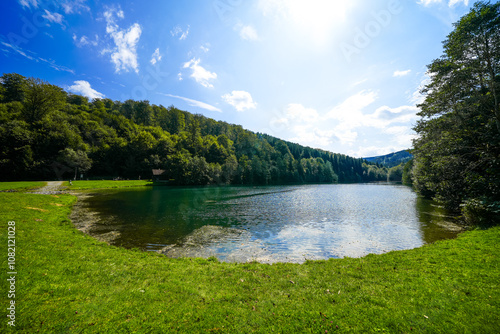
{"type": "Point", "coordinates": [52, 188]}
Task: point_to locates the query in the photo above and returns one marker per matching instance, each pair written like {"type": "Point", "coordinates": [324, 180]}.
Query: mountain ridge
{"type": "Point", "coordinates": [391, 159]}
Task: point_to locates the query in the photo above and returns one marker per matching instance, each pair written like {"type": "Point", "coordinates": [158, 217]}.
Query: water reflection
{"type": "Point", "coordinates": [270, 224]}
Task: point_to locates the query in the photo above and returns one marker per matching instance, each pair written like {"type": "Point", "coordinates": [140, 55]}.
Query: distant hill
{"type": "Point", "coordinates": [391, 159]}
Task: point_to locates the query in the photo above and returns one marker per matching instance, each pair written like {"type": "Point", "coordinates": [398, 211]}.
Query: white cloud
{"type": "Point", "coordinates": [177, 30]}
{"type": "Point", "coordinates": [74, 6]}
{"type": "Point", "coordinates": [372, 151]}
{"type": "Point", "coordinates": [401, 73]}
{"type": "Point", "coordinates": [350, 111]}
{"type": "Point", "coordinates": [239, 99]}
{"type": "Point", "coordinates": [309, 134]}
{"type": "Point", "coordinates": [124, 54]}
{"type": "Point", "coordinates": [194, 103]}
{"type": "Point", "coordinates": [33, 56]}
{"type": "Point", "coordinates": [18, 50]}
{"type": "Point", "coordinates": [451, 3]}
{"type": "Point", "coordinates": [200, 74]}
{"type": "Point", "coordinates": [296, 111]}
{"type": "Point", "coordinates": [156, 57]}
{"type": "Point", "coordinates": [247, 32]}
{"type": "Point", "coordinates": [417, 97]}
{"type": "Point", "coordinates": [29, 3]}
{"type": "Point", "coordinates": [205, 48]}
{"type": "Point", "coordinates": [56, 67]}
{"type": "Point", "coordinates": [305, 125]}
{"type": "Point", "coordinates": [355, 125]}
{"type": "Point", "coordinates": [85, 41]}
{"type": "Point", "coordinates": [53, 17]}
{"type": "Point", "coordinates": [454, 2]}
{"type": "Point", "coordinates": [428, 2]}
{"type": "Point", "coordinates": [83, 87]}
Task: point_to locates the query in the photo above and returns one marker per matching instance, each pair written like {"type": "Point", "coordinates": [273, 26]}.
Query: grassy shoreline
{"type": "Point", "coordinates": [20, 186]}
{"type": "Point", "coordinates": [69, 282]}
{"type": "Point", "coordinates": [105, 184]}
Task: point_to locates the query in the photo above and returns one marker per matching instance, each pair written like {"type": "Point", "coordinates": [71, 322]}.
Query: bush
{"type": "Point", "coordinates": [481, 211]}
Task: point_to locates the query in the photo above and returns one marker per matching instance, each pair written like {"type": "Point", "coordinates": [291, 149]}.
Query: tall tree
{"type": "Point", "coordinates": [457, 153]}
{"type": "Point", "coordinates": [41, 98]}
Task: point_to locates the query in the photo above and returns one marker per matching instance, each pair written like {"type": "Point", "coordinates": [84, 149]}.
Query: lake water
{"type": "Point", "coordinates": [269, 224]}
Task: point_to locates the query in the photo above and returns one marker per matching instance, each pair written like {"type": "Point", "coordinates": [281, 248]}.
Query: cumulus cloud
{"type": "Point", "coordinates": [296, 111]}
{"type": "Point", "coordinates": [401, 73]}
{"type": "Point", "coordinates": [347, 121]}
{"type": "Point", "coordinates": [199, 73]}
{"type": "Point", "coordinates": [124, 53]}
{"type": "Point", "coordinates": [194, 103]}
{"type": "Point", "coordinates": [350, 111]}
{"type": "Point", "coordinates": [239, 99]}
{"type": "Point", "coordinates": [156, 57]}
{"type": "Point", "coordinates": [83, 87]}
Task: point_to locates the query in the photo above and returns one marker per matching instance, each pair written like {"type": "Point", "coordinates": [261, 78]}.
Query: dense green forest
{"type": "Point", "coordinates": [457, 154]}
{"type": "Point", "coordinates": [47, 133]}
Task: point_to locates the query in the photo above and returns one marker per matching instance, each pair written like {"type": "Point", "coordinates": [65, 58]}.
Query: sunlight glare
{"type": "Point", "coordinates": [315, 18]}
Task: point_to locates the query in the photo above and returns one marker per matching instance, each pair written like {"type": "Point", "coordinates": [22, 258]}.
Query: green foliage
{"type": "Point", "coordinates": [407, 177]}
{"type": "Point", "coordinates": [481, 212]}
{"type": "Point", "coordinates": [40, 98]}
{"type": "Point", "coordinates": [75, 159]}
{"type": "Point", "coordinates": [46, 132]}
{"type": "Point", "coordinates": [457, 153]}
{"type": "Point", "coordinates": [395, 173]}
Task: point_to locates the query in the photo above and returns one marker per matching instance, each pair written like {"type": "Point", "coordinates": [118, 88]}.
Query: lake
{"type": "Point", "coordinates": [267, 223]}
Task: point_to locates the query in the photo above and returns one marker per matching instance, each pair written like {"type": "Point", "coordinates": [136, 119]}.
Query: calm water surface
{"type": "Point", "coordinates": [270, 224]}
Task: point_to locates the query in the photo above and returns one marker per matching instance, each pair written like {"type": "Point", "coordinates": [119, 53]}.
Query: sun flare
{"type": "Point", "coordinates": [315, 18]}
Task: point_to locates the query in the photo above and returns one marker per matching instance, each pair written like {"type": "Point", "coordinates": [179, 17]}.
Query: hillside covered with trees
{"type": "Point", "coordinates": [457, 154]}
{"type": "Point", "coordinates": [47, 133]}
{"type": "Point", "coordinates": [391, 159]}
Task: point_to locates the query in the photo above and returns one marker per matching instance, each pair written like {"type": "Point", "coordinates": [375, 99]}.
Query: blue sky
{"type": "Point", "coordinates": [340, 75]}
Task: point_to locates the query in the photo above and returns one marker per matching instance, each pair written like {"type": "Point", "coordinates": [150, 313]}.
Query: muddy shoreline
{"type": "Point", "coordinates": [89, 221]}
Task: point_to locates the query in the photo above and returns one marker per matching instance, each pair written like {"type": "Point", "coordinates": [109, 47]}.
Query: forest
{"type": "Point", "coordinates": [457, 153]}
{"type": "Point", "coordinates": [47, 133]}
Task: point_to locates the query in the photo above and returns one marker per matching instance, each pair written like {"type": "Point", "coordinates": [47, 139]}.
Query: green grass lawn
{"type": "Point", "coordinates": [106, 184]}
{"type": "Point", "coordinates": [21, 186]}
{"type": "Point", "coordinates": [67, 282]}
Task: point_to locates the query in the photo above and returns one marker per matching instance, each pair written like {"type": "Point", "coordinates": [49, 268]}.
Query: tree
{"type": "Point", "coordinates": [456, 154]}
{"type": "Point", "coordinates": [40, 99]}
{"type": "Point", "coordinates": [14, 87]}
{"type": "Point", "coordinates": [75, 159]}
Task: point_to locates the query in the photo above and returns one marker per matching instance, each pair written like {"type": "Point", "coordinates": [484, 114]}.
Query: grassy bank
{"type": "Point", "coordinates": [106, 184]}
{"type": "Point", "coordinates": [21, 186]}
{"type": "Point", "coordinates": [68, 282]}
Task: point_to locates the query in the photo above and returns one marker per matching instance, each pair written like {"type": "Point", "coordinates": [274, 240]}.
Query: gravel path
{"type": "Point", "coordinates": [52, 188]}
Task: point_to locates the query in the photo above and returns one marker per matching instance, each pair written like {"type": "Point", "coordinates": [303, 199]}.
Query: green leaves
{"type": "Point", "coordinates": [459, 132]}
